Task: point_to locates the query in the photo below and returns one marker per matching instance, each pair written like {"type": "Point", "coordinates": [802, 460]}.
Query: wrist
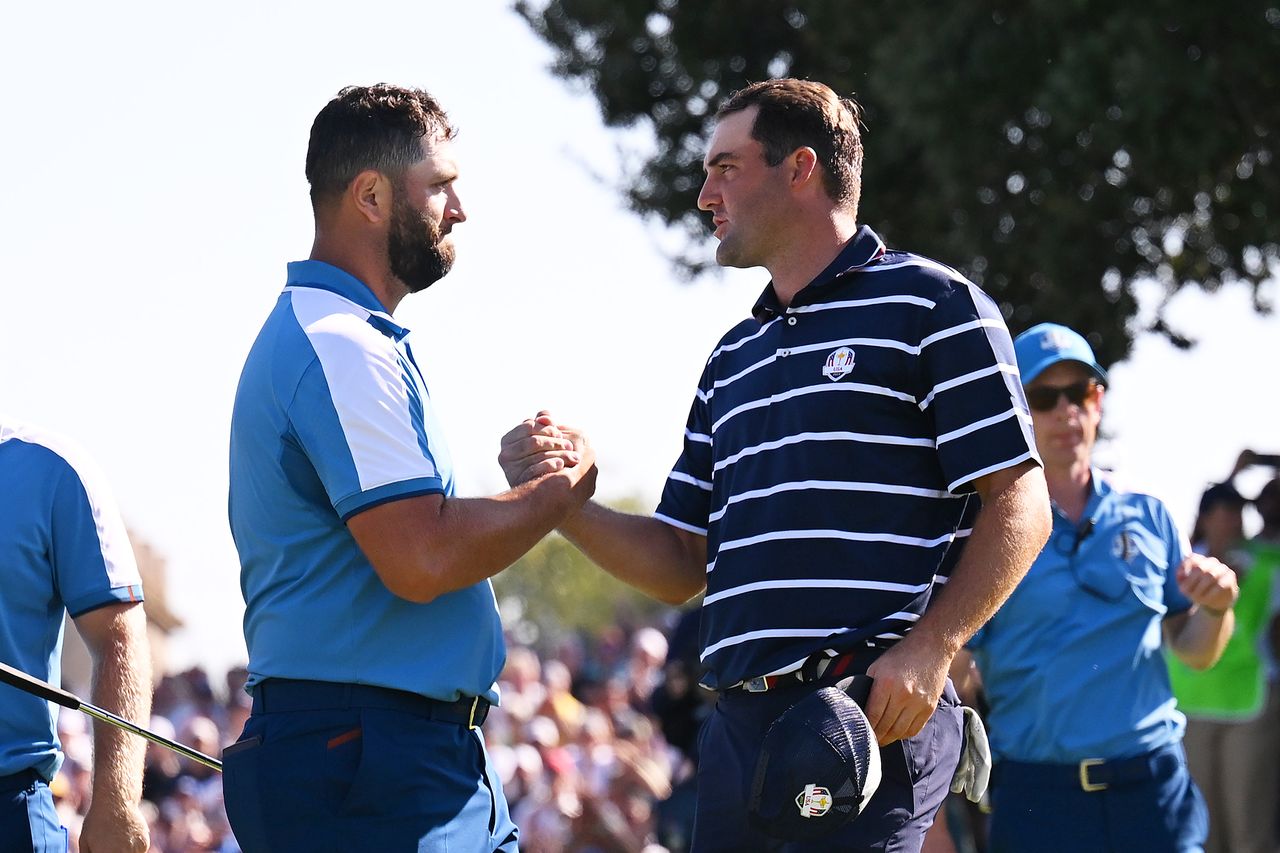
{"type": "Point", "coordinates": [1214, 611]}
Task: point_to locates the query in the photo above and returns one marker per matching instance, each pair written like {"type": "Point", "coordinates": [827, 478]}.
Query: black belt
{"type": "Point", "coordinates": [817, 667]}
{"type": "Point", "coordinates": [19, 781]}
{"type": "Point", "coordinates": [1091, 774]}
{"type": "Point", "coordinates": [286, 694]}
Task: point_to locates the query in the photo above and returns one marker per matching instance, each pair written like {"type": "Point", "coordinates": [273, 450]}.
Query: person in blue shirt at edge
{"type": "Point", "coordinates": [1085, 732]}
{"type": "Point", "coordinates": [64, 550]}
{"type": "Point", "coordinates": [832, 463]}
{"type": "Point", "coordinates": [373, 635]}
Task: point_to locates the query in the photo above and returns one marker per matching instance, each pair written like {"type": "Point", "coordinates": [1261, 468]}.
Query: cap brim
{"type": "Point", "coordinates": [1052, 359]}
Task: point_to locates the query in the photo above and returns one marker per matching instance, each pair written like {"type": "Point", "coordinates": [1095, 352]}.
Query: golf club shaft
{"type": "Point", "coordinates": [43, 689]}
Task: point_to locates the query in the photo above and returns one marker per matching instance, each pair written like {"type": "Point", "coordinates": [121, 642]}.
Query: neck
{"type": "Point", "coordinates": [363, 261]}
{"type": "Point", "coordinates": [808, 252]}
{"type": "Point", "coordinates": [1069, 487]}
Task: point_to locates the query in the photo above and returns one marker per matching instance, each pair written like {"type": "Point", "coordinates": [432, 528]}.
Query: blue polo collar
{"type": "Point", "coordinates": [1099, 490]}
{"type": "Point", "coordinates": [863, 249]}
{"type": "Point", "coordinates": [324, 276]}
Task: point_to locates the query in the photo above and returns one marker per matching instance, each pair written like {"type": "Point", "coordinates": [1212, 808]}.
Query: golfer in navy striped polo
{"type": "Point", "coordinates": [837, 450]}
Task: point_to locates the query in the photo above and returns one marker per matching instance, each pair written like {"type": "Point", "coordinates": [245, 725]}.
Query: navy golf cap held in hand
{"type": "Point", "coordinates": [819, 765]}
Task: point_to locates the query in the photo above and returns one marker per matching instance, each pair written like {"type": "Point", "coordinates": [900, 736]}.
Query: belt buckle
{"type": "Point", "coordinates": [1085, 784]}
{"type": "Point", "coordinates": [759, 684]}
{"type": "Point", "coordinates": [471, 715]}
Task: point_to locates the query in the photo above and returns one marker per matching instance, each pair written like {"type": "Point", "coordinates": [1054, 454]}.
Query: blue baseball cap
{"type": "Point", "coordinates": [1047, 344]}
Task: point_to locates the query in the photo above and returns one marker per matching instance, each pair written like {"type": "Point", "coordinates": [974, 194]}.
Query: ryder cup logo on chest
{"type": "Point", "coordinates": [838, 365]}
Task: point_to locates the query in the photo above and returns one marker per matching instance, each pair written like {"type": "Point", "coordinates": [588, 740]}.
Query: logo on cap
{"type": "Point", "coordinates": [814, 801]}
{"type": "Point", "coordinates": [1056, 339]}
{"type": "Point", "coordinates": [838, 365]}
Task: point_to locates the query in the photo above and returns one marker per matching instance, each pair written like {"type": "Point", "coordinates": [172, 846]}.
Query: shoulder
{"type": "Point", "coordinates": [45, 448]}
{"type": "Point", "coordinates": [1137, 503]}
{"type": "Point", "coordinates": [917, 275]}
{"type": "Point", "coordinates": [335, 341]}
{"type": "Point", "coordinates": [948, 296]}
{"type": "Point", "coordinates": [738, 337]}
{"type": "Point", "coordinates": [331, 320]}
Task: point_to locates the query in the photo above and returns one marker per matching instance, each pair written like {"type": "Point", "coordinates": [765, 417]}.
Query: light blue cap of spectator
{"type": "Point", "coordinates": [1045, 345]}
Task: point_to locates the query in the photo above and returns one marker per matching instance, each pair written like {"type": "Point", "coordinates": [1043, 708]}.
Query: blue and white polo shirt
{"type": "Point", "coordinates": [830, 454]}
{"type": "Point", "coordinates": [63, 549]}
{"type": "Point", "coordinates": [1073, 662]}
{"type": "Point", "coordinates": [332, 417]}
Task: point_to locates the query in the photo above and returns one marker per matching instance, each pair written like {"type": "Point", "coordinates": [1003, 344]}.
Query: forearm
{"type": "Point", "coordinates": [659, 560]}
{"type": "Point", "coordinates": [1009, 533]}
{"type": "Point", "coordinates": [121, 685]}
{"type": "Point", "coordinates": [486, 535]}
{"type": "Point", "coordinates": [427, 546]}
{"type": "Point", "coordinates": [1198, 637]}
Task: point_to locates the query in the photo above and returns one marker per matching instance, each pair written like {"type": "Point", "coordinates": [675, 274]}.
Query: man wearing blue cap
{"type": "Point", "coordinates": [1085, 731]}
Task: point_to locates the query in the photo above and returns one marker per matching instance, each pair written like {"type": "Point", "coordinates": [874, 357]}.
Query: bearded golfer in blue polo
{"type": "Point", "coordinates": [373, 636]}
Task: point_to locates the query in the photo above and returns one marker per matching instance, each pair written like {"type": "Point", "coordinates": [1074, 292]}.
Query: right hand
{"type": "Point", "coordinates": [582, 473]}
{"type": "Point", "coordinates": [909, 679]}
{"type": "Point", "coordinates": [534, 448]}
{"type": "Point", "coordinates": [119, 829]}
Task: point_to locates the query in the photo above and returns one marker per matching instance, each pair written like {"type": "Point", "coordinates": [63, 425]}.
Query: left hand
{"type": "Point", "coordinates": [1208, 583]}
{"type": "Point", "coordinates": [114, 828]}
{"type": "Point", "coordinates": [908, 684]}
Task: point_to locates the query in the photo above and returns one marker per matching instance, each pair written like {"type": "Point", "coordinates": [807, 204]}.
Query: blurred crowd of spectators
{"type": "Point", "coordinates": [593, 740]}
{"type": "Point", "coordinates": [182, 798]}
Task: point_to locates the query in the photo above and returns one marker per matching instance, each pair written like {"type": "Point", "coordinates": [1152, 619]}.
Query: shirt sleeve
{"type": "Point", "coordinates": [686, 498]}
{"type": "Point", "coordinates": [93, 561]}
{"type": "Point", "coordinates": [1178, 548]}
{"type": "Point", "coordinates": [970, 385]}
{"type": "Point", "coordinates": [359, 418]}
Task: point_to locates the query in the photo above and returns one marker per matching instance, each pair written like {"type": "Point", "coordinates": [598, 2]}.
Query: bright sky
{"type": "Point", "coordinates": [155, 190]}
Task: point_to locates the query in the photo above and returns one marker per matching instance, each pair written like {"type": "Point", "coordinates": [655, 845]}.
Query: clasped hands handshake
{"type": "Point", "coordinates": [539, 447]}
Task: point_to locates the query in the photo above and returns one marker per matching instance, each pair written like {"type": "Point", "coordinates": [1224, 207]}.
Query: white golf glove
{"type": "Point", "coordinates": [974, 770]}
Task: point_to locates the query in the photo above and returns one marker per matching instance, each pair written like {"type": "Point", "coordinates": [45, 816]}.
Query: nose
{"type": "Point", "coordinates": [453, 211]}
{"type": "Point", "coordinates": [708, 195]}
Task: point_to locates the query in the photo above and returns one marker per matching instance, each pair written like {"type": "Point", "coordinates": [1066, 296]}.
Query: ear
{"type": "Point", "coordinates": [804, 168]}
{"type": "Point", "coordinates": [370, 194]}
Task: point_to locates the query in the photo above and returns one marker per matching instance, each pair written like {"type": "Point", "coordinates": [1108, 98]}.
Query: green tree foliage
{"type": "Point", "coordinates": [1054, 150]}
{"type": "Point", "coordinates": [553, 590]}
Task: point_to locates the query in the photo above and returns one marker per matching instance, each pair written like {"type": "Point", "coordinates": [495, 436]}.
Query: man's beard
{"type": "Point", "coordinates": [416, 250]}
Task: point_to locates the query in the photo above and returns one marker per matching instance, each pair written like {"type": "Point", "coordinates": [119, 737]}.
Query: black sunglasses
{"type": "Point", "coordinates": [1045, 397]}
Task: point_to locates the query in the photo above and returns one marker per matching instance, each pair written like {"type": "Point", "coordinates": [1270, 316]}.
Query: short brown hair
{"type": "Point", "coordinates": [801, 113]}
{"type": "Point", "coordinates": [378, 127]}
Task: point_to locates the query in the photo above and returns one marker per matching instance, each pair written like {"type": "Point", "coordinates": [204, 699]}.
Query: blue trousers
{"type": "Point", "coordinates": [917, 777]}
{"type": "Point", "coordinates": [1149, 805]}
{"type": "Point", "coordinates": [28, 821]}
{"type": "Point", "coordinates": [335, 780]}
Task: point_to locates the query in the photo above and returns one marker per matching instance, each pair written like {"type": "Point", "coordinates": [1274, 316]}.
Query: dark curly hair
{"type": "Point", "coordinates": [378, 127]}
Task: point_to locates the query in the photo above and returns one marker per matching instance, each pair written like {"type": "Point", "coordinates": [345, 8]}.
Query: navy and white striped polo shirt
{"type": "Point", "coordinates": [830, 454]}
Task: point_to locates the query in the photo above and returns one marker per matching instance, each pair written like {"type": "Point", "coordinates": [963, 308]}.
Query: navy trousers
{"type": "Point", "coordinates": [1149, 805]}
{"type": "Point", "coordinates": [28, 821]}
{"type": "Point", "coordinates": [339, 779]}
{"type": "Point", "coordinates": [916, 778]}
